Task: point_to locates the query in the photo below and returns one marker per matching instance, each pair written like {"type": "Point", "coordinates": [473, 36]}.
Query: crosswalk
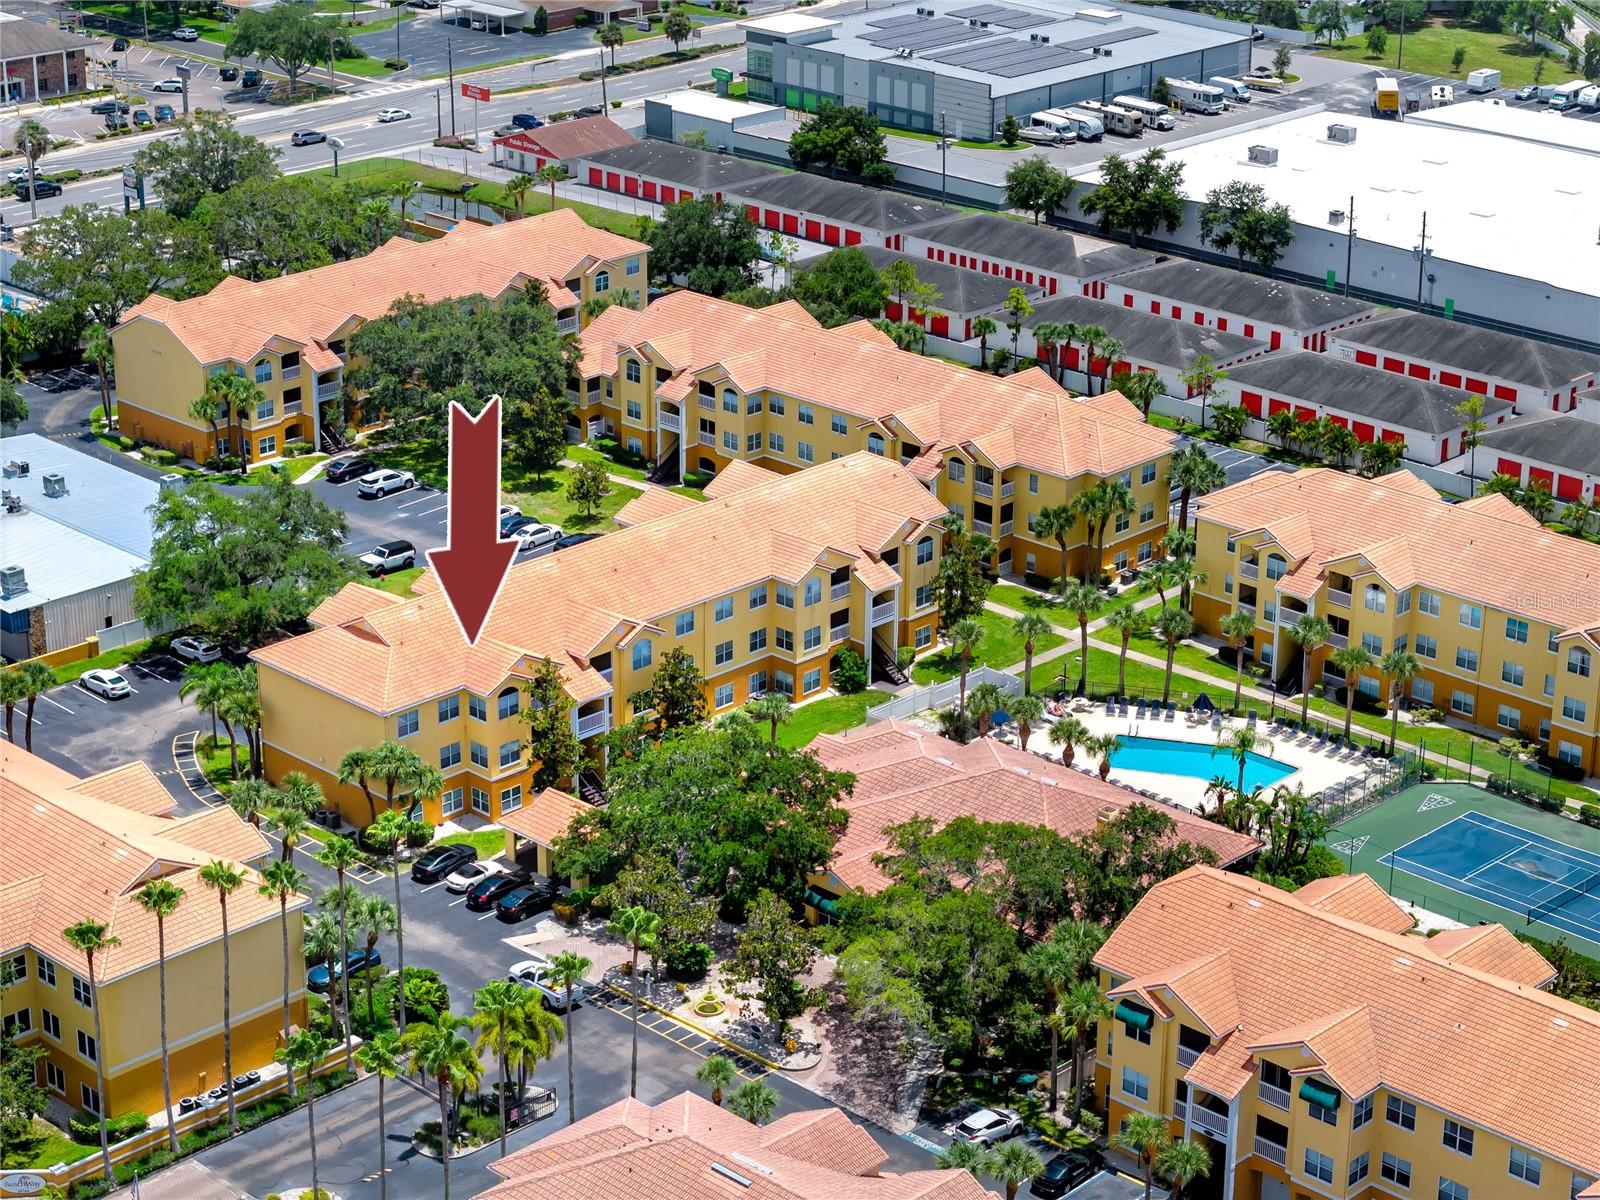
{"type": "Point", "coordinates": [677, 1032]}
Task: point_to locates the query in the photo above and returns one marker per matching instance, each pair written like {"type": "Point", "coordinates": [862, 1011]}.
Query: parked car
{"type": "Point", "coordinates": [474, 872]}
{"type": "Point", "coordinates": [393, 114]}
{"type": "Point", "coordinates": [228, 74]}
{"type": "Point", "coordinates": [348, 468]}
{"type": "Point", "coordinates": [1527, 91]}
{"type": "Point", "coordinates": [323, 976]}
{"type": "Point", "coordinates": [988, 1126]}
{"type": "Point", "coordinates": [168, 85]}
{"type": "Point", "coordinates": [186, 33]}
{"type": "Point", "coordinates": [505, 131]}
{"type": "Point", "coordinates": [382, 482]}
{"type": "Point", "coordinates": [119, 45]}
{"type": "Point", "coordinates": [105, 682]}
{"type": "Point", "coordinates": [512, 521]}
{"type": "Point", "coordinates": [196, 649]}
{"type": "Point", "coordinates": [307, 137]}
{"type": "Point", "coordinates": [252, 77]}
{"type": "Point", "coordinates": [395, 555]}
{"type": "Point", "coordinates": [141, 118]}
{"type": "Point", "coordinates": [523, 902]}
{"type": "Point", "coordinates": [526, 121]}
{"type": "Point", "coordinates": [535, 973]}
{"type": "Point", "coordinates": [101, 107]}
{"type": "Point", "coordinates": [534, 535]}
{"type": "Point", "coordinates": [164, 113]}
{"type": "Point", "coordinates": [1067, 1171]}
{"type": "Point", "coordinates": [589, 110]}
{"type": "Point", "coordinates": [17, 175]}
{"type": "Point", "coordinates": [438, 861]}
{"type": "Point", "coordinates": [116, 121]}
{"type": "Point", "coordinates": [41, 188]}
{"type": "Point", "coordinates": [486, 893]}
{"type": "Point", "coordinates": [567, 540]}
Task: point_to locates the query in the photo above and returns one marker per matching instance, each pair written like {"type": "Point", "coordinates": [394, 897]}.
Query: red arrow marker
{"type": "Point", "coordinates": [472, 565]}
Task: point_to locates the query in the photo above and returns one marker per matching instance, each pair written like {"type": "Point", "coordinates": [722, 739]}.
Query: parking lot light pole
{"type": "Point", "coordinates": [450, 61]}
{"type": "Point", "coordinates": [604, 102]}
{"type": "Point", "coordinates": [438, 111]}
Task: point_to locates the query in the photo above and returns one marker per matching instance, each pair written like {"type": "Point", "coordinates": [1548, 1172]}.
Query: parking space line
{"type": "Point", "coordinates": [45, 696]}
{"type": "Point", "coordinates": [92, 695]}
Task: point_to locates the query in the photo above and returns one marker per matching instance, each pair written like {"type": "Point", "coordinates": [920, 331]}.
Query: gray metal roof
{"type": "Point", "coordinates": [1040, 246]}
{"type": "Point", "coordinates": [1484, 351]}
{"type": "Point", "coordinates": [1225, 289]}
{"type": "Point", "coordinates": [22, 38]}
{"type": "Point", "coordinates": [1381, 396]}
{"type": "Point", "coordinates": [684, 166]}
{"type": "Point", "coordinates": [1560, 439]}
{"type": "Point", "coordinates": [1145, 337]}
{"type": "Point", "coordinates": [56, 561]}
{"type": "Point", "coordinates": [102, 500]}
{"type": "Point", "coordinates": [840, 200]}
{"type": "Point", "coordinates": [960, 290]}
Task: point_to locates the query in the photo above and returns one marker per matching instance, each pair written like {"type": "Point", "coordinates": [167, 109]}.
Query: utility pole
{"type": "Point", "coordinates": [944, 146]}
{"type": "Point", "coordinates": [1422, 259]}
{"type": "Point", "coordinates": [33, 178]}
{"type": "Point", "coordinates": [450, 59]}
{"type": "Point", "coordinates": [1349, 243]}
{"type": "Point", "coordinates": [604, 102]}
{"type": "Point", "coordinates": [1400, 55]}
{"type": "Point", "coordinates": [438, 112]}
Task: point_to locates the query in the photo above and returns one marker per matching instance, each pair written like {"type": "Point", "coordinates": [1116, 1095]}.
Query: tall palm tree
{"type": "Point", "coordinates": [242, 707]}
{"type": "Point", "coordinates": [551, 173]}
{"type": "Point", "coordinates": [1111, 352]}
{"type": "Point", "coordinates": [376, 916]}
{"type": "Point", "coordinates": [493, 1005]}
{"type": "Point", "coordinates": [1399, 667]}
{"type": "Point", "coordinates": [1056, 522]}
{"type": "Point", "coordinates": [1172, 626]}
{"type": "Point", "coordinates": [1071, 331]}
{"type": "Point", "coordinates": [1139, 388]}
{"type": "Point", "coordinates": [1032, 629]}
{"type": "Point", "coordinates": [305, 1049]}
{"type": "Point", "coordinates": [1091, 336]}
{"type": "Point", "coordinates": [90, 938]}
{"type": "Point", "coordinates": [755, 1100]}
{"type": "Point", "coordinates": [1012, 1164]}
{"type": "Point", "coordinates": [291, 822]}
{"type": "Point", "coordinates": [393, 830]}
{"type": "Point", "coordinates": [985, 700]}
{"type": "Point", "coordinates": [380, 1055]}
{"type": "Point", "coordinates": [10, 697]}
{"type": "Point", "coordinates": [1049, 336]}
{"type": "Point", "coordinates": [982, 329]}
{"type": "Point", "coordinates": [98, 349]}
{"type": "Point", "coordinates": [225, 878]}
{"type": "Point", "coordinates": [32, 141]}
{"type": "Point", "coordinates": [1182, 1163]}
{"type": "Point", "coordinates": [610, 36]}
{"type": "Point", "coordinates": [1027, 710]}
{"type": "Point", "coordinates": [1194, 473]}
{"type": "Point", "coordinates": [206, 684]}
{"type": "Point", "coordinates": [773, 708]}
{"type": "Point", "coordinates": [962, 1156]}
{"type": "Point", "coordinates": [1241, 743]}
{"type": "Point", "coordinates": [1051, 967]}
{"type": "Point", "coordinates": [1144, 1137]}
{"type": "Point", "coordinates": [639, 927]}
{"type": "Point", "coordinates": [160, 898]}
{"type": "Point", "coordinates": [1352, 660]}
{"type": "Point", "coordinates": [281, 880]}
{"type": "Point", "coordinates": [531, 1036]}
{"type": "Point", "coordinates": [249, 798]}
{"type": "Point", "coordinates": [1309, 633]}
{"type": "Point", "coordinates": [1107, 499]}
{"type": "Point", "coordinates": [440, 1053]}
{"type": "Point", "coordinates": [1103, 747]}
{"type": "Point", "coordinates": [1185, 577]}
{"type": "Point", "coordinates": [716, 1072]}
{"type": "Point", "coordinates": [31, 680]}
{"type": "Point", "coordinates": [1069, 733]}
{"type": "Point", "coordinates": [1237, 627]}
{"type": "Point", "coordinates": [1128, 622]}
{"type": "Point", "coordinates": [1202, 378]}
{"type": "Point", "coordinates": [567, 971]}
{"type": "Point", "coordinates": [353, 768]}
{"type": "Point", "coordinates": [1082, 1008]}
{"type": "Point", "coordinates": [1083, 599]}
{"type": "Point", "coordinates": [339, 854]}
{"type": "Point", "coordinates": [516, 190]}
{"type": "Point", "coordinates": [399, 769]}
{"type": "Point", "coordinates": [965, 636]}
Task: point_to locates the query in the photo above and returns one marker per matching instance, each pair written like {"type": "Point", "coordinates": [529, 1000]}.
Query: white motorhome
{"type": "Point", "coordinates": [1233, 89]}
{"type": "Point", "coordinates": [1117, 119]}
{"type": "Point", "coordinates": [1088, 127]}
{"type": "Point", "coordinates": [1055, 121]}
{"type": "Point", "coordinates": [1589, 98]}
{"type": "Point", "coordinates": [1566, 94]}
{"type": "Point", "coordinates": [1156, 116]}
{"type": "Point", "coordinates": [1484, 79]}
{"type": "Point", "coordinates": [1196, 97]}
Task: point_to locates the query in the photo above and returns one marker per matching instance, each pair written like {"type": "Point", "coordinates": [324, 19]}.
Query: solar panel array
{"type": "Point", "coordinates": [921, 33]}
{"type": "Point", "coordinates": [1106, 37]}
{"type": "Point", "coordinates": [1006, 18]}
{"type": "Point", "coordinates": [1009, 57]}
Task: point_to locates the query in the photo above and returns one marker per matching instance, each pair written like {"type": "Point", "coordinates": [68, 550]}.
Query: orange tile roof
{"type": "Point", "coordinates": [1358, 897]}
{"type": "Point", "coordinates": [1377, 1007]}
{"type": "Point", "coordinates": [546, 817]}
{"type": "Point", "coordinates": [564, 607]}
{"type": "Point", "coordinates": [352, 601]}
{"type": "Point", "coordinates": [650, 504]}
{"type": "Point", "coordinates": [1020, 420]}
{"type": "Point", "coordinates": [104, 852]}
{"type": "Point", "coordinates": [903, 772]}
{"type": "Point", "coordinates": [1495, 949]}
{"type": "Point", "coordinates": [687, 1148]}
{"type": "Point", "coordinates": [1402, 532]}
{"type": "Point", "coordinates": [132, 786]}
{"type": "Point", "coordinates": [237, 319]}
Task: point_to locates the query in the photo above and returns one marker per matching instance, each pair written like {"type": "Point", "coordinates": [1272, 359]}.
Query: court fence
{"type": "Point", "coordinates": [1382, 778]}
{"type": "Point", "coordinates": [1515, 778]}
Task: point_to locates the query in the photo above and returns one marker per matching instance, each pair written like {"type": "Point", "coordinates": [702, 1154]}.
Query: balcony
{"type": "Point", "coordinates": [1272, 1152]}
{"type": "Point", "coordinates": [1180, 1112]}
{"type": "Point", "coordinates": [1007, 489]}
{"type": "Point", "coordinates": [1338, 641]}
{"type": "Point", "coordinates": [1187, 1057]}
{"type": "Point", "coordinates": [593, 724]}
{"type": "Point", "coordinates": [1005, 528]}
{"type": "Point", "coordinates": [708, 439]}
{"type": "Point", "coordinates": [1248, 608]}
{"type": "Point", "coordinates": [292, 407]}
{"type": "Point", "coordinates": [328, 391]}
{"type": "Point", "coordinates": [709, 403]}
{"type": "Point", "coordinates": [979, 488]}
{"type": "Point", "coordinates": [1290, 617]}
{"type": "Point", "coordinates": [838, 633]}
{"type": "Point", "coordinates": [609, 675]}
{"type": "Point", "coordinates": [1250, 570]}
{"type": "Point", "coordinates": [671, 422]}
{"type": "Point", "coordinates": [883, 612]}
{"type": "Point", "coordinates": [1272, 1094]}
{"type": "Point", "coordinates": [1342, 599]}
{"type": "Point", "coordinates": [567, 323]}
{"type": "Point", "coordinates": [1204, 1119]}
{"type": "Point", "coordinates": [983, 527]}
{"type": "Point", "coordinates": [291, 372]}
{"type": "Point", "coordinates": [839, 590]}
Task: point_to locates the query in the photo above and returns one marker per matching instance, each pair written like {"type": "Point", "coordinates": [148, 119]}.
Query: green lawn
{"type": "Point", "coordinates": [294, 468]}
{"type": "Point", "coordinates": [387, 173]}
{"type": "Point", "coordinates": [537, 201]}
{"type": "Point", "coordinates": [1022, 599]}
{"type": "Point", "coordinates": [1000, 648]}
{"type": "Point", "coordinates": [365, 66]}
{"type": "Point", "coordinates": [965, 143]}
{"type": "Point", "coordinates": [1428, 51]}
{"type": "Point", "coordinates": [398, 582]}
{"type": "Point", "coordinates": [43, 1145]}
{"type": "Point", "coordinates": [832, 714]}
{"type": "Point", "coordinates": [121, 656]}
{"type": "Point", "coordinates": [487, 842]}
{"type": "Point", "coordinates": [683, 489]}
{"type": "Point", "coordinates": [588, 454]}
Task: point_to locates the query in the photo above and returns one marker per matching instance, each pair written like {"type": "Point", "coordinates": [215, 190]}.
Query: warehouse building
{"type": "Point", "coordinates": [1559, 450]}
{"type": "Point", "coordinates": [665, 172]}
{"type": "Point", "coordinates": [835, 211]}
{"type": "Point", "coordinates": [963, 296]}
{"type": "Point", "coordinates": [1054, 260]}
{"type": "Point", "coordinates": [973, 62]}
{"type": "Point", "coordinates": [562, 143]}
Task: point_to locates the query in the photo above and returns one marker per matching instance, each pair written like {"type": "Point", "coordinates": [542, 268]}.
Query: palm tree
{"type": "Point", "coordinates": [716, 1072]}
{"type": "Point", "coordinates": [10, 697]}
{"type": "Point", "coordinates": [305, 1049]}
{"type": "Point", "coordinates": [1082, 1009]}
{"type": "Point", "coordinates": [1085, 600]}
{"type": "Point", "coordinates": [755, 1100]}
{"type": "Point", "coordinates": [964, 637]}
{"type": "Point", "coordinates": [1049, 335]}
{"type": "Point", "coordinates": [1194, 472]}
{"type": "Point", "coordinates": [1399, 666]}
{"type": "Point", "coordinates": [1027, 710]}
{"type": "Point", "coordinates": [243, 708]}
{"type": "Point", "coordinates": [1051, 967]}
{"type": "Point", "coordinates": [399, 769]}
{"type": "Point", "coordinates": [32, 141]}
{"type": "Point", "coordinates": [353, 768]}
{"type": "Point", "coordinates": [773, 708]}
{"type": "Point", "coordinates": [301, 793]}
{"type": "Point", "coordinates": [551, 173]}
{"type": "Point", "coordinates": [1139, 388]}
{"type": "Point", "coordinates": [206, 684]}
{"type": "Point", "coordinates": [1128, 622]}
{"type": "Point", "coordinates": [1241, 743]}
{"type": "Point", "coordinates": [1285, 427]}
{"type": "Point", "coordinates": [982, 328]}
{"type": "Point", "coordinates": [1056, 523]}
{"type": "Point", "coordinates": [380, 1055]}
{"type": "Point", "coordinates": [1069, 733]}
{"type": "Point", "coordinates": [610, 36]}
{"type": "Point", "coordinates": [1031, 628]}
{"type": "Point", "coordinates": [1575, 516]}
{"type": "Point", "coordinates": [90, 938]}
{"type": "Point", "coordinates": [291, 821]}
{"type": "Point", "coordinates": [1111, 352]}
{"type": "Point", "coordinates": [1098, 505]}
{"type": "Point", "coordinates": [97, 348]}
{"type": "Point", "coordinates": [1091, 336]}
{"type": "Point", "coordinates": [532, 1032]}
{"type": "Point", "coordinates": [440, 1053]}
{"type": "Point", "coordinates": [339, 854]}
{"type": "Point", "coordinates": [1237, 627]}
{"type": "Point", "coordinates": [1181, 1163]}
{"type": "Point", "coordinates": [377, 916]}
{"type": "Point", "coordinates": [1202, 378]}
{"type": "Point", "coordinates": [1172, 626]}
{"type": "Point", "coordinates": [1185, 577]}
{"type": "Point", "coordinates": [986, 700]}
{"type": "Point", "coordinates": [637, 926]}
{"type": "Point", "coordinates": [249, 798]}
{"type": "Point", "coordinates": [1104, 747]}
{"type": "Point", "coordinates": [567, 970]}
{"type": "Point", "coordinates": [1144, 1137]}
{"type": "Point", "coordinates": [516, 190]}
{"type": "Point", "coordinates": [493, 1004]}
{"type": "Point", "coordinates": [225, 878]}
{"type": "Point", "coordinates": [1071, 331]}
{"type": "Point", "coordinates": [393, 830]}
{"type": "Point", "coordinates": [1308, 632]}
{"type": "Point", "coordinates": [1352, 660]}
{"type": "Point", "coordinates": [160, 898]}
{"type": "Point", "coordinates": [1013, 1163]}
{"type": "Point", "coordinates": [29, 681]}
{"type": "Point", "coordinates": [281, 880]}
{"type": "Point", "coordinates": [962, 1156]}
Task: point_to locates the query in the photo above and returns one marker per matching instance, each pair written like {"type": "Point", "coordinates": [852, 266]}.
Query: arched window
{"type": "Point", "coordinates": [1277, 566]}
{"type": "Point", "coordinates": [602, 282]}
{"type": "Point", "coordinates": [875, 443]}
{"type": "Point", "coordinates": [1578, 661]}
{"type": "Point", "coordinates": [925, 551]}
{"type": "Point", "coordinates": [643, 654]}
{"type": "Point", "coordinates": [508, 703]}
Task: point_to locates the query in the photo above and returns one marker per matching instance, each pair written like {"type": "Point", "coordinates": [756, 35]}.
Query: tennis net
{"type": "Point", "coordinates": [1562, 898]}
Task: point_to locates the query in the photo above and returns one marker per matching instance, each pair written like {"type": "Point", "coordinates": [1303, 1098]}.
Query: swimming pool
{"type": "Point", "coordinates": [1198, 761]}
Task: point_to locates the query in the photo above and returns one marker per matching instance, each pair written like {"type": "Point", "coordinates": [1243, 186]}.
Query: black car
{"type": "Point", "coordinates": [349, 468]}
{"type": "Point", "coordinates": [116, 121]}
{"type": "Point", "coordinates": [486, 893]}
{"type": "Point", "coordinates": [120, 45]}
{"type": "Point", "coordinates": [101, 107]}
{"type": "Point", "coordinates": [440, 861]}
{"type": "Point", "coordinates": [513, 521]}
{"type": "Point", "coordinates": [141, 118]}
{"type": "Point", "coordinates": [164, 112]}
{"type": "Point", "coordinates": [1066, 1171]}
{"type": "Point", "coordinates": [590, 110]}
{"type": "Point", "coordinates": [524, 901]}
{"type": "Point", "coordinates": [228, 74]}
{"type": "Point", "coordinates": [41, 189]}
{"type": "Point", "coordinates": [574, 539]}
{"type": "Point", "coordinates": [252, 78]}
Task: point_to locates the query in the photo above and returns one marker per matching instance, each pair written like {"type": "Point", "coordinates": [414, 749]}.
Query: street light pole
{"type": "Point", "coordinates": [1422, 260]}
{"type": "Point", "coordinates": [944, 146]}
{"type": "Point", "coordinates": [604, 102]}
{"type": "Point", "coordinates": [438, 112]}
{"type": "Point", "coordinates": [1349, 244]}
{"type": "Point", "coordinates": [450, 59]}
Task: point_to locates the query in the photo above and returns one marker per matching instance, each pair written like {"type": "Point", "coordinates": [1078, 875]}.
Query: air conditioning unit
{"type": "Point", "coordinates": [1336, 216]}
{"type": "Point", "coordinates": [55, 484]}
{"type": "Point", "coordinates": [1264, 156]}
{"type": "Point", "coordinates": [13, 581]}
{"type": "Point", "coordinates": [16, 469]}
{"type": "Point", "coordinates": [1344, 134]}
{"type": "Point", "coordinates": [10, 502]}
{"type": "Point", "coordinates": [972, 22]}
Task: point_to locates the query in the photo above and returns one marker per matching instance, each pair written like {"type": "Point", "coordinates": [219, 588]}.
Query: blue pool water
{"type": "Point", "coordinates": [1197, 760]}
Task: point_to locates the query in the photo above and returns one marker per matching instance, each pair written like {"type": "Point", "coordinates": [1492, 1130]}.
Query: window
{"type": "Point", "coordinates": [1319, 1166]}
{"type": "Point", "coordinates": [924, 595]}
{"type": "Point", "coordinates": [635, 446]}
{"type": "Point", "coordinates": [875, 444]}
{"type": "Point", "coordinates": [752, 442]}
{"type": "Point", "coordinates": [55, 1077]}
{"type": "Point", "coordinates": [1449, 1189]}
{"type": "Point", "coordinates": [1374, 598]}
{"type": "Point", "coordinates": [1122, 522]}
{"type": "Point", "coordinates": [263, 371]}
{"type": "Point", "coordinates": [730, 441]}
{"type": "Point", "coordinates": [805, 414]}
{"type": "Point", "coordinates": [1512, 673]}
{"type": "Point", "coordinates": [480, 801]}
{"type": "Point", "coordinates": [1147, 513]}
{"type": "Point", "coordinates": [1427, 647]}
{"type": "Point", "coordinates": [1033, 483]}
{"type": "Point", "coordinates": [1570, 753]}
{"type": "Point", "coordinates": [633, 372]}
{"type": "Point", "coordinates": [1422, 691]}
{"type": "Point", "coordinates": [811, 680]}
{"type": "Point", "coordinates": [19, 1022]}
{"type": "Point", "coordinates": [479, 754]}
{"type": "Point", "coordinates": [266, 446]}
{"type": "Point", "coordinates": [449, 756]}
{"type": "Point", "coordinates": [752, 405]}
{"type": "Point", "coordinates": [511, 798]}
{"type": "Point", "coordinates": [1396, 1170]}
{"type": "Point", "coordinates": [508, 703]}
{"type": "Point", "coordinates": [1147, 473]}
{"type": "Point", "coordinates": [1372, 644]}
{"type": "Point", "coordinates": [1549, 685]}
{"type": "Point", "coordinates": [631, 267]}
{"type": "Point", "coordinates": [47, 971]}
{"type": "Point", "coordinates": [478, 708]}
{"type": "Point", "coordinates": [264, 410]}
{"type": "Point", "coordinates": [1516, 631]}
{"type": "Point", "coordinates": [813, 637]}
{"type": "Point", "coordinates": [1120, 560]}
{"type": "Point", "coordinates": [450, 802]}
{"type": "Point", "coordinates": [1276, 567]}
{"type": "Point", "coordinates": [758, 596]}
{"type": "Point", "coordinates": [51, 1023]}
{"type": "Point", "coordinates": [1508, 718]}
{"type": "Point", "coordinates": [758, 640]}
{"type": "Point", "coordinates": [602, 281]}
{"type": "Point", "coordinates": [82, 993]}
{"type": "Point", "coordinates": [1135, 1084]}
{"type": "Point", "coordinates": [635, 410]}
{"type": "Point", "coordinates": [1578, 661]}
{"type": "Point", "coordinates": [1400, 1112]}
{"type": "Point", "coordinates": [723, 696]}
{"type": "Point", "coordinates": [785, 595]}
{"type": "Point", "coordinates": [510, 752]}
{"type": "Point", "coordinates": [1428, 604]}
{"type": "Point", "coordinates": [683, 623]}
{"type": "Point", "coordinates": [924, 551]}
{"type": "Point", "coordinates": [775, 405]}
{"type": "Point", "coordinates": [1227, 583]}
{"type": "Point", "coordinates": [1328, 1116]}
{"type": "Point", "coordinates": [957, 471]}
{"type": "Point", "coordinates": [1126, 479]}
{"type": "Point", "coordinates": [1526, 1167]}
{"type": "Point", "coordinates": [86, 1046]}
{"type": "Point", "coordinates": [804, 452]}
{"type": "Point", "coordinates": [813, 591]}
{"type": "Point", "coordinates": [1402, 603]}
{"type": "Point", "coordinates": [1471, 616]}
{"type": "Point", "coordinates": [1550, 642]}
{"type": "Point", "coordinates": [449, 708]}
{"type": "Point", "coordinates": [775, 442]}
{"type": "Point", "coordinates": [923, 637]}
{"type": "Point", "coordinates": [1573, 709]}
{"type": "Point", "coordinates": [1466, 660]}
{"type": "Point", "coordinates": [1144, 552]}
{"type": "Point", "coordinates": [90, 1097]}
{"type": "Point", "coordinates": [784, 639]}
{"type": "Point", "coordinates": [758, 684]}
{"type": "Point", "coordinates": [1458, 1137]}
{"type": "Point", "coordinates": [837, 423]}
{"type": "Point", "coordinates": [1361, 1112]}
{"type": "Point", "coordinates": [19, 968]}
{"type": "Point", "coordinates": [1358, 1168]}
{"type": "Point", "coordinates": [1462, 702]}
{"type": "Point", "coordinates": [723, 609]}
{"type": "Point", "coordinates": [407, 723]}
{"type": "Point", "coordinates": [723, 654]}
{"type": "Point", "coordinates": [643, 654]}
{"type": "Point", "coordinates": [783, 683]}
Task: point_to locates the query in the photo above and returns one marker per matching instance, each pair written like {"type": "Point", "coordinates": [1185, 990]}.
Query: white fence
{"type": "Point", "coordinates": [941, 695]}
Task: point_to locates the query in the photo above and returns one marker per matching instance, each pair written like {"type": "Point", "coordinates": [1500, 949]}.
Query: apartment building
{"type": "Point", "coordinates": [79, 850]}
{"type": "Point", "coordinates": [1500, 612]}
{"type": "Point", "coordinates": [288, 335]}
{"type": "Point", "coordinates": [762, 584]}
{"type": "Point", "coordinates": [1320, 1052]}
{"type": "Point", "coordinates": [696, 384]}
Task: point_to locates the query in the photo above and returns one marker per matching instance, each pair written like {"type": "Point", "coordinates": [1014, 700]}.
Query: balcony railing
{"type": "Point", "coordinates": [709, 403]}
{"type": "Point", "coordinates": [328, 391]}
{"type": "Point", "coordinates": [1180, 1112]}
{"type": "Point", "coordinates": [1187, 1057]}
{"type": "Point", "coordinates": [839, 590]}
{"type": "Point", "coordinates": [672, 421]}
{"type": "Point", "coordinates": [291, 407]}
{"type": "Point", "coordinates": [708, 439]}
{"type": "Point", "coordinates": [1250, 570]}
{"type": "Point", "coordinates": [1290, 617]}
{"type": "Point", "coordinates": [567, 324]}
{"type": "Point", "coordinates": [979, 488]}
{"type": "Point", "coordinates": [983, 527]}
{"type": "Point", "coordinates": [1212, 1122]}
{"type": "Point", "coordinates": [593, 724]}
{"type": "Point", "coordinates": [838, 633]}
{"type": "Point", "coordinates": [1005, 528]}
{"type": "Point", "coordinates": [1248, 608]}
{"type": "Point", "coordinates": [1276, 1096]}
{"type": "Point", "coordinates": [1338, 641]}
{"type": "Point", "coordinates": [291, 372]}
{"type": "Point", "coordinates": [1007, 489]}
{"type": "Point", "coordinates": [1272, 1152]}
{"type": "Point", "coordinates": [1342, 599]}
{"type": "Point", "coordinates": [883, 612]}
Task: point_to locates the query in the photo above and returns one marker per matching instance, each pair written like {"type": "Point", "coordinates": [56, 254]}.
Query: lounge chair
{"type": "Point", "coordinates": [1111, 707]}
{"type": "Point", "coordinates": [1122, 708]}
{"type": "Point", "coordinates": [1172, 710]}
{"type": "Point", "coordinates": [1252, 720]}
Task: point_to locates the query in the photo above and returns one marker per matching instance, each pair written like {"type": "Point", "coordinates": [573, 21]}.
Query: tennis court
{"type": "Point", "coordinates": [1467, 854]}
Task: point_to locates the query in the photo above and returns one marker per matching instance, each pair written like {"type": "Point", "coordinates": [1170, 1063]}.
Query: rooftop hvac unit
{"type": "Point", "coordinates": [924, 12]}
{"type": "Point", "coordinates": [1344, 134]}
{"type": "Point", "coordinates": [16, 469]}
{"type": "Point", "coordinates": [1336, 216]}
{"type": "Point", "coordinates": [13, 581]}
{"type": "Point", "coordinates": [1264, 156]}
{"type": "Point", "coordinates": [10, 502]}
{"type": "Point", "coordinates": [55, 484]}
{"type": "Point", "coordinates": [1041, 38]}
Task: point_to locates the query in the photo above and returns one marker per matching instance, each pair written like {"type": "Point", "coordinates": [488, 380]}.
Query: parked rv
{"type": "Point", "coordinates": [1088, 126]}
{"type": "Point", "coordinates": [1195, 97]}
{"type": "Point", "coordinates": [1442, 94]}
{"type": "Point", "coordinates": [1484, 79]}
{"type": "Point", "coordinates": [1232, 89]}
{"type": "Point", "coordinates": [1544, 92]}
{"type": "Point", "coordinates": [1156, 116]}
{"type": "Point", "coordinates": [1566, 94]}
{"type": "Point", "coordinates": [1054, 122]}
{"type": "Point", "coordinates": [1589, 98]}
{"type": "Point", "coordinates": [1119, 120]}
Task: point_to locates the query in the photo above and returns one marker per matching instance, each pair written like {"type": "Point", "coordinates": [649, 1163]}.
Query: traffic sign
{"type": "Point", "coordinates": [473, 92]}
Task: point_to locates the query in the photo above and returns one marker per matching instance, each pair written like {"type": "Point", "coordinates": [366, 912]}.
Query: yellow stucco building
{"type": "Point", "coordinates": [288, 334]}
{"type": "Point", "coordinates": [79, 850]}
{"type": "Point", "coordinates": [1320, 1053]}
{"type": "Point", "coordinates": [693, 384]}
{"type": "Point", "coordinates": [1500, 612]}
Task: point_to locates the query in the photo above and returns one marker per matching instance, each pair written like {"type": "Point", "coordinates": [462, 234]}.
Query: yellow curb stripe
{"type": "Point", "coordinates": [700, 1029]}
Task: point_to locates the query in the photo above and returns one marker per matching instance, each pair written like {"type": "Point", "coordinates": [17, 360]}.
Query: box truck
{"type": "Point", "coordinates": [1122, 121]}
{"type": "Point", "coordinates": [1385, 98]}
{"type": "Point", "coordinates": [1233, 89]}
{"type": "Point", "coordinates": [1195, 97]}
{"type": "Point", "coordinates": [1566, 94]}
{"type": "Point", "coordinates": [1484, 79]}
{"type": "Point", "coordinates": [1156, 116]}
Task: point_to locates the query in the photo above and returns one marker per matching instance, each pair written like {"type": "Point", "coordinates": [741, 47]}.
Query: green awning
{"type": "Point", "coordinates": [821, 903]}
{"type": "Point", "coordinates": [1134, 1015]}
{"type": "Point", "coordinates": [1319, 1093]}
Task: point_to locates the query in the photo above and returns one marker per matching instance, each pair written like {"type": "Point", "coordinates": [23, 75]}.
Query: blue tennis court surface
{"type": "Point", "coordinates": [1543, 879]}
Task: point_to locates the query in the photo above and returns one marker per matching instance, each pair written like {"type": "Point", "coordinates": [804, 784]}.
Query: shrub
{"type": "Point", "coordinates": [696, 479]}
{"type": "Point", "coordinates": [1552, 803]}
{"type": "Point", "coordinates": [85, 1127]}
{"type": "Point", "coordinates": [426, 995]}
{"type": "Point", "coordinates": [319, 1194]}
{"type": "Point", "coordinates": [481, 1127]}
{"type": "Point", "coordinates": [160, 456]}
{"type": "Point", "coordinates": [849, 671]}
{"type": "Point", "coordinates": [1589, 814]}
{"type": "Point", "coordinates": [689, 960]}
{"type": "Point", "coordinates": [421, 834]}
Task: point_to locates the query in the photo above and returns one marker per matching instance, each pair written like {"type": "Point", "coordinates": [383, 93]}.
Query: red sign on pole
{"type": "Point", "coordinates": [473, 92]}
